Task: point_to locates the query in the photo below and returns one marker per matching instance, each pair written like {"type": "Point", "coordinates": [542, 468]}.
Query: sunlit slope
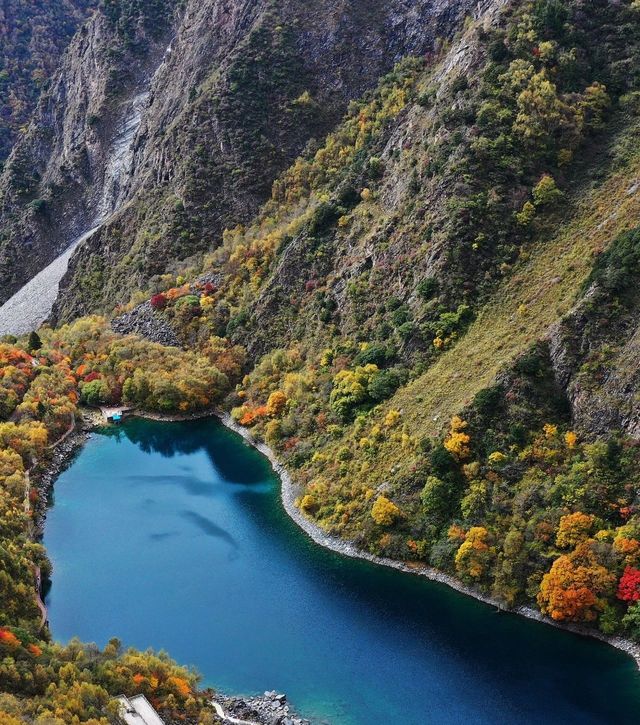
{"type": "Point", "coordinates": [542, 288]}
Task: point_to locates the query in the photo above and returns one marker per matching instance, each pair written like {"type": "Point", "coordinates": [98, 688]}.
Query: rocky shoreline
{"type": "Point", "coordinates": [46, 474]}
{"type": "Point", "coordinates": [271, 708]}
{"type": "Point", "coordinates": [289, 494]}
{"type": "Point", "coordinates": [64, 454]}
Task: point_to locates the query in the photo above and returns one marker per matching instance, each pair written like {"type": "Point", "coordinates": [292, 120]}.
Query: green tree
{"type": "Point", "coordinates": [34, 343]}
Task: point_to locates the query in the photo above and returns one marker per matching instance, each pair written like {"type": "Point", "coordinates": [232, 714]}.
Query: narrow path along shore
{"type": "Point", "coordinates": [44, 614]}
{"type": "Point", "coordinates": [289, 493]}
{"type": "Point", "coordinates": [37, 574]}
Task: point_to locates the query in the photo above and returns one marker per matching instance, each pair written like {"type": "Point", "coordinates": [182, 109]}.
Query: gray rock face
{"type": "Point", "coordinates": [71, 168]}
{"type": "Point", "coordinates": [147, 323]}
{"type": "Point", "coordinates": [31, 305]}
{"type": "Point", "coordinates": [206, 144]}
{"type": "Point", "coordinates": [599, 366]}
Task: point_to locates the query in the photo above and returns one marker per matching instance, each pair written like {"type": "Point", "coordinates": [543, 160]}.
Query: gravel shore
{"type": "Point", "coordinates": [289, 494]}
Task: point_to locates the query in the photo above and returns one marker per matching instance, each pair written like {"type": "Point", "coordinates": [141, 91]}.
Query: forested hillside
{"type": "Point", "coordinates": [33, 34]}
{"type": "Point", "coordinates": [439, 310]}
{"type": "Point", "coordinates": [42, 382]}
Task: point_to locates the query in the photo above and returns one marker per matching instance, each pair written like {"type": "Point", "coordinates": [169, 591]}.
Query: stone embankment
{"type": "Point", "coordinates": [271, 708]}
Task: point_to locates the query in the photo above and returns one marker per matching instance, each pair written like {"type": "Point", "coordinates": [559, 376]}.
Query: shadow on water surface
{"type": "Point", "coordinates": [210, 528]}
{"type": "Point", "coordinates": [191, 484]}
{"type": "Point", "coordinates": [230, 455]}
{"type": "Point", "coordinates": [163, 535]}
{"type": "Point", "coordinates": [348, 636]}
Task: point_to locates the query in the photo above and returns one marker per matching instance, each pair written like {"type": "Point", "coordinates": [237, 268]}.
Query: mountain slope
{"type": "Point", "coordinates": [439, 314]}
{"type": "Point", "coordinates": [33, 35]}
{"type": "Point", "coordinates": [243, 88]}
{"type": "Point", "coordinates": [54, 183]}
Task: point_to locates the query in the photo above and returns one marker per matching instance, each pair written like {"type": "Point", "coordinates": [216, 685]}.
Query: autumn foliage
{"type": "Point", "coordinates": [575, 587]}
{"type": "Point", "coordinates": [629, 585]}
{"type": "Point", "coordinates": [475, 553]}
{"type": "Point", "coordinates": [457, 442]}
{"type": "Point", "coordinates": [384, 512]}
{"type": "Point", "coordinates": [573, 529]}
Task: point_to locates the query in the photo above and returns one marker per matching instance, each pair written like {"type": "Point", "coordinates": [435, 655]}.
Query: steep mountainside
{"type": "Point", "coordinates": [439, 310]}
{"type": "Point", "coordinates": [245, 87]}
{"type": "Point", "coordinates": [33, 34]}
{"type": "Point", "coordinates": [402, 239]}
{"type": "Point", "coordinates": [55, 184]}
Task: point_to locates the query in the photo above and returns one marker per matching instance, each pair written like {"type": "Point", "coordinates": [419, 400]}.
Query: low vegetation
{"type": "Point", "coordinates": [43, 380]}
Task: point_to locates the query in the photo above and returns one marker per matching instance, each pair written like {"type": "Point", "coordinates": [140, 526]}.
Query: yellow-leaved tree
{"type": "Point", "coordinates": [457, 442]}
{"type": "Point", "coordinates": [384, 512]}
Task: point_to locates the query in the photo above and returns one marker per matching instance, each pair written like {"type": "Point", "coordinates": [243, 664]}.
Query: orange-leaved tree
{"type": "Point", "coordinates": [475, 554]}
{"type": "Point", "coordinates": [573, 529]}
{"type": "Point", "coordinates": [575, 588]}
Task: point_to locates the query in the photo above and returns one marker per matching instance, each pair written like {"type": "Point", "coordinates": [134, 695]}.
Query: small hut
{"type": "Point", "coordinates": [115, 415]}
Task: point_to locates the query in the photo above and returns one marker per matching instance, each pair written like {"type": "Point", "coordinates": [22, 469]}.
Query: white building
{"type": "Point", "coordinates": [138, 710]}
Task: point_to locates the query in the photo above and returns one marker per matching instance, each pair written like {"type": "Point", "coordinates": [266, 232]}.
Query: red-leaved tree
{"type": "Point", "coordinates": [629, 585]}
{"type": "Point", "coordinates": [158, 301]}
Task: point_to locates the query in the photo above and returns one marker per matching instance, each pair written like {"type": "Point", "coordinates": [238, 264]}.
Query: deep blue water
{"type": "Point", "coordinates": [173, 536]}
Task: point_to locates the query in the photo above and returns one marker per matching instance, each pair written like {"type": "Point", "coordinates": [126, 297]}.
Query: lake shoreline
{"type": "Point", "coordinates": [288, 494]}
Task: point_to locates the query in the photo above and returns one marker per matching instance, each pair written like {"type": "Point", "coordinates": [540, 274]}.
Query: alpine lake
{"type": "Point", "coordinates": [173, 536]}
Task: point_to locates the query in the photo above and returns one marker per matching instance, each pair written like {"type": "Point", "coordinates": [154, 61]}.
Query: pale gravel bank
{"type": "Point", "coordinates": [31, 305]}
{"type": "Point", "coordinates": [290, 493]}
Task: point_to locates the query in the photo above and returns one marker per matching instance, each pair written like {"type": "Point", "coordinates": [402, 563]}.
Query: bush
{"type": "Point", "coordinates": [546, 192]}
{"type": "Point", "coordinates": [488, 400]}
{"type": "Point", "coordinates": [428, 288]}
{"type": "Point", "coordinates": [377, 353]}
{"type": "Point", "coordinates": [385, 512]}
{"type": "Point", "coordinates": [38, 206]}
{"type": "Point", "coordinates": [158, 302]}
{"type": "Point", "coordinates": [383, 385]}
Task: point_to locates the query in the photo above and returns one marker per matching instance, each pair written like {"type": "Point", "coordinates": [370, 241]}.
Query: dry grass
{"type": "Point", "coordinates": [546, 283]}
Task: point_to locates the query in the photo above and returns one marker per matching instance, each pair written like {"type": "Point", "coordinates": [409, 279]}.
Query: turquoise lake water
{"type": "Point", "coordinates": [173, 536]}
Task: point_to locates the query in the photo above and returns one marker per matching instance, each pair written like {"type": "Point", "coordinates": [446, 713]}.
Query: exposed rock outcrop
{"type": "Point", "coordinates": [58, 182]}
{"type": "Point", "coordinates": [598, 364]}
{"type": "Point", "coordinates": [242, 87]}
{"type": "Point", "coordinates": [147, 323]}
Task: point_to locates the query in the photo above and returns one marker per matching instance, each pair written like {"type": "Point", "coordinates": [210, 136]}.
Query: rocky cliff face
{"type": "Point", "coordinates": [59, 180]}
{"type": "Point", "coordinates": [595, 349]}
{"type": "Point", "coordinates": [242, 87]}
{"type": "Point", "coordinates": [33, 36]}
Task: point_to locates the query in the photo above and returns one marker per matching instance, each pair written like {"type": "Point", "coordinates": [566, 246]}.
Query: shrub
{"type": "Point", "coordinates": [384, 512]}
{"type": "Point", "coordinates": [546, 192]}
{"type": "Point", "coordinates": [383, 385]}
{"type": "Point", "coordinates": [428, 288]}
{"type": "Point", "coordinates": [159, 301]}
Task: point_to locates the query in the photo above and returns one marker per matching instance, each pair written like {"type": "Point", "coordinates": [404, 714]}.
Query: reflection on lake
{"type": "Point", "coordinates": [173, 536]}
